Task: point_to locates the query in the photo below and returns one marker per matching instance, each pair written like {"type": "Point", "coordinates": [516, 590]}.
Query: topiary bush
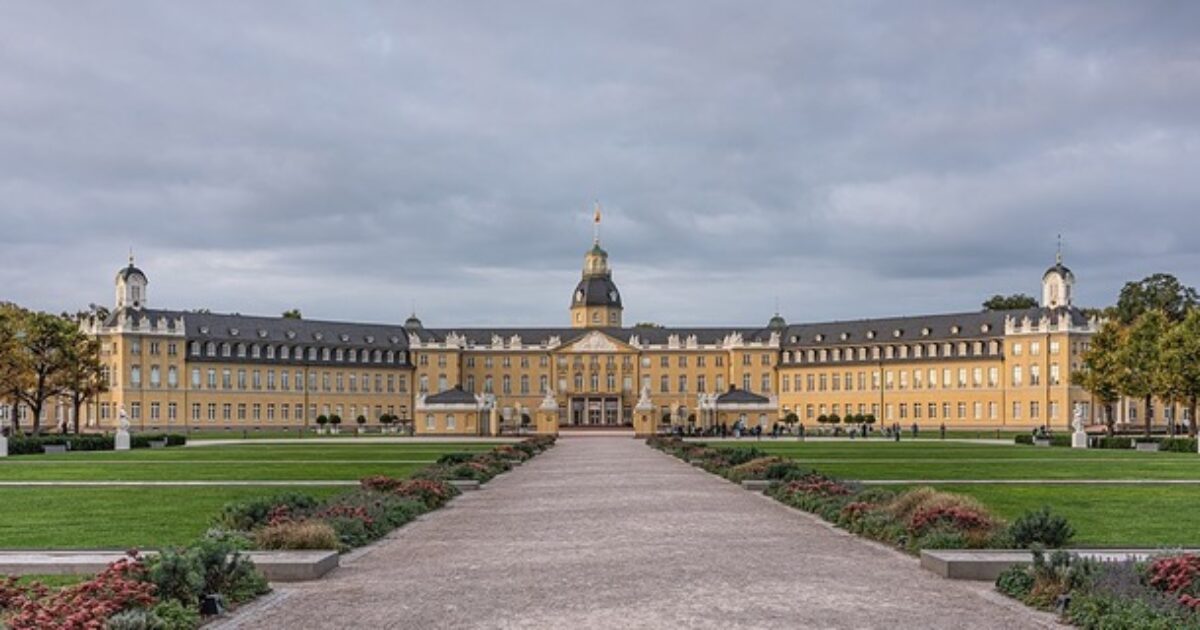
{"type": "Point", "coordinates": [1041, 527]}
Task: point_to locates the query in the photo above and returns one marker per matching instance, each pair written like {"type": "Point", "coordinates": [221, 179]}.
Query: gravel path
{"type": "Point", "coordinates": [608, 533]}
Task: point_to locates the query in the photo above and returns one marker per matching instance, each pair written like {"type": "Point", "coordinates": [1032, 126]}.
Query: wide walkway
{"type": "Point", "coordinates": [608, 533]}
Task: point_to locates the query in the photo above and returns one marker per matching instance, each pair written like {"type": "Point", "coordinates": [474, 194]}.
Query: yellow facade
{"type": "Point", "coordinates": [177, 369]}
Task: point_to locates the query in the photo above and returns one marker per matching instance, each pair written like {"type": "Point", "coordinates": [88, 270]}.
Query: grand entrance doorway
{"type": "Point", "coordinates": [595, 411]}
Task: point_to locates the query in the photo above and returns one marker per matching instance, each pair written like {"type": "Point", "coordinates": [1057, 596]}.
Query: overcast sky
{"type": "Point", "coordinates": [352, 159]}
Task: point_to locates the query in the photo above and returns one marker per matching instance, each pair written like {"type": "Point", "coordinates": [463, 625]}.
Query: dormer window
{"type": "Point", "coordinates": [870, 334]}
{"type": "Point", "coordinates": [262, 333]}
{"type": "Point", "coordinates": [925, 332]}
{"type": "Point", "coordinates": [370, 339]}
{"type": "Point", "coordinates": [897, 333]}
{"type": "Point", "coordinates": [204, 330]}
{"type": "Point", "coordinates": [344, 337]}
{"type": "Point", "coordinates": [845, 336]}
{"type": "Point", "coordinates": [986, 328]}
{"type": "Point", "coordinates": [395, 339]}
{"type": "Point", "coordinates": [318, 336]}
{"type": "Point", "coordinates": [819, 337]}
{"type": "Point", "coordinates": [233, 332]}
{"type": "Point", "coordinates": [291, 334]}
{"type": "Point", "coordinates": [955, 329]}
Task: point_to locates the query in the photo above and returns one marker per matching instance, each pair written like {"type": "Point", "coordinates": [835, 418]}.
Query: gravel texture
{"type": "Point", "coordinates": [605, 532]}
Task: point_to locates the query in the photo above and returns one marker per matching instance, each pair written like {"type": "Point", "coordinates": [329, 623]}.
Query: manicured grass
{"type": "Point", "coordinates": [257, 462]}
{"type": "Point", "coordinates": [936, 460]}
{"type": "Point", "coordinates": [115, 518]}
{"type": "Point", "coordinates": [1105, 516]}
{"type": "Point", "coordinates": [91, 517]}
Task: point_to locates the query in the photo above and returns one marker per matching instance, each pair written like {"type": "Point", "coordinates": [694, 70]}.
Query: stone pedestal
{"type": "Point", "coordinates": [3, 446]}
{"type": "Point", "coordinates": [1079, 440]}
{"type": "Point", "coordinates": [122, 440]}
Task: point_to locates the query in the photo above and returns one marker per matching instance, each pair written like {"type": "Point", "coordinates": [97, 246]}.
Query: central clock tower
{"type": "Point", "coordinates": [596, 302]}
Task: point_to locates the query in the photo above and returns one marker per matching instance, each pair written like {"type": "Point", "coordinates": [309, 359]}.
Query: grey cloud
{"type": "Point", "coordinates": [847, 159]}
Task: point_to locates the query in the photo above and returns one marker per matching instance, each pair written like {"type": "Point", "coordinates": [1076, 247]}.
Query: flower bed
{"type": "Point", "coordinates": [911, 520]}
{"type": "Point", "coordinates": [1158, 593]}
{"type": "Point", "coordinates": [368, 513]}
{"type": "Point", "coordinates": [166, 590]}
{"type": "Point", "coordinates": [162, 591]}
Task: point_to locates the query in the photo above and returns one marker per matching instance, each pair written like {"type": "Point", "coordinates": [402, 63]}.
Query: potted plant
{"type": "Point", "coordinates": [334, 421]}
{"type": "Point", "coordinates": [385, 420]}
{"type": "Point", "coordinates": [322, 420]}
{"type": "Point", "coordinates": [525, 421]}
{"type": "Point", "coordinates": [791, 420]}
{"type": "Point", "coordinates": [362, 422]}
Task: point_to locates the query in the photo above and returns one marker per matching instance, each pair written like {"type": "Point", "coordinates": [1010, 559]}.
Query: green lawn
{"type": "Point", "coordinates": [115, 518]}
{"type": "Point", "coordinates": [257, 462]}
{"type": "Point", "coordinates": [1103, 515]}
{"type": "Point", "coordinates": [935, 460]}
{"type": "Point", "coordinates": [100, 517]}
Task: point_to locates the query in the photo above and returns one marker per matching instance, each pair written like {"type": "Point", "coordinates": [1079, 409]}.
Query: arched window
{"type": "Point", "coordinates": [283, 352]}
{"type": "Point", "coordinates": [210, 349]}
{"type": "Point", "coordinates": [225, 351]}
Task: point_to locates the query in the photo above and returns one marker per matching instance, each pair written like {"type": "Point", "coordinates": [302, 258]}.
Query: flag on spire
{"type": "Point", "coordinates": [596, 218]}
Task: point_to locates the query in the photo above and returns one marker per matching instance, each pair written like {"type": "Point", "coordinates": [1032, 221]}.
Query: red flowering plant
{"type": "Point", "coordinates": [84, 606]}
{"type": "Point", "coordinates": [1178, 575]}
{"type": "Point", "coordinates": [854, 510]}
{"type": "Point", "coordinates": [956, 517]}
{"type": "Point", "coordinates": [818, 485]}
{"type": "Point", "coordinates": [432, 493]}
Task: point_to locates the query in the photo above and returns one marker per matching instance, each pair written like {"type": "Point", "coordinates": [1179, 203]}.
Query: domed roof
{"type": "Point", "coordinates": [777, 322]}
{"type": "Point", "coordinates": [596, 250]}
{"type": "Point", "coordinates": [412, 323]}
{"type": "Point", "coordinates": [1059, 269]}
{"type": "Point", "coordinates": [596, 291]}
{"type": "Point", "coordinates": [130, 271]}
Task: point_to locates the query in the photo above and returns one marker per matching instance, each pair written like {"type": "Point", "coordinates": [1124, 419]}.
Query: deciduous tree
{"type": "Point", "coordinates": [1160, 292]}
{"type": "Point", "coordinates": [1139, 359]}
{"type": "Point", "coordinates": [1009, 302]}
{"type": "Point", "coordinates": [1180, 365]}
{"type": "Point", "coordinates": [1101, 370]}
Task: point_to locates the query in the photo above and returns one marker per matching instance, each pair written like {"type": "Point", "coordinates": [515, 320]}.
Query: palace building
{"type": "Point", "coordinates": [176, 369]}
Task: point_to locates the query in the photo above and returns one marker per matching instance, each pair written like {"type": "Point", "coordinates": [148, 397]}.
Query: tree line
{"type": "Point", "coordinates": [1147, 349]}
{"type": "Point", "coordinates": [44, 357]}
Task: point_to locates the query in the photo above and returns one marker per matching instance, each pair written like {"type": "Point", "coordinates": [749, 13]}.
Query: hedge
{"type": "Point", "coordinates": [36, 445]}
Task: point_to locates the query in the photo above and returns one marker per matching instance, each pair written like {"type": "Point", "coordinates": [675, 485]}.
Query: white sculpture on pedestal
{"type": "Point", "coordinates": [3, 442]}
{"type": "Point", "coordinates": [1079, 437]}
{"type": "Point", "coordinates": [122, 439]}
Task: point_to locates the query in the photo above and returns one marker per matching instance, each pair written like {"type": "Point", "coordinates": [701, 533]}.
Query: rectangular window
{"type": "Point", "coordinates": [196, 412]}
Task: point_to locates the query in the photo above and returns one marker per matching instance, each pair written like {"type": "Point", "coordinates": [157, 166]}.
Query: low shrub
{"type": "Point", "coordinates": [297, 535]}
{"type": "Point", "coordinates": [432, 493]}
{"type": "Point", "coordinates": [227, 571]}
{"type": "Point", "coordinates": [455, 458]}
{"type": "Point", "coordinates": [1114, 442]}
{"type": "Point", "coordinates": [251, 513]}
{"type": "Point", "coordinates": [1179, 445]}
{"type": "Point", "coordinates": [1016, 581]}
{"type": "Point", "coordinates": [176, 576]}
{"type": "Point", "coordinates": [1041, 527]}
{"type": "Point", "coordinates": [754, 469]}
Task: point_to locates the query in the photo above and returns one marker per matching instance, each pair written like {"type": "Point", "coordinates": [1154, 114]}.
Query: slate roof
{"type": "Point", "coordinates": [597, 291]}
{"type": "Point", "coordinates": [971, 325]}
{"type": "Point", "coordinates": [454, 396]}
{"type": "Point", "coordinates": [124, 274]}
{"type": "Point", "coordinates": [741, 397]}
{"type": "Point", "coordinates": [257, 329]}
{"type": "Point", "coordinates": [646, 334]}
